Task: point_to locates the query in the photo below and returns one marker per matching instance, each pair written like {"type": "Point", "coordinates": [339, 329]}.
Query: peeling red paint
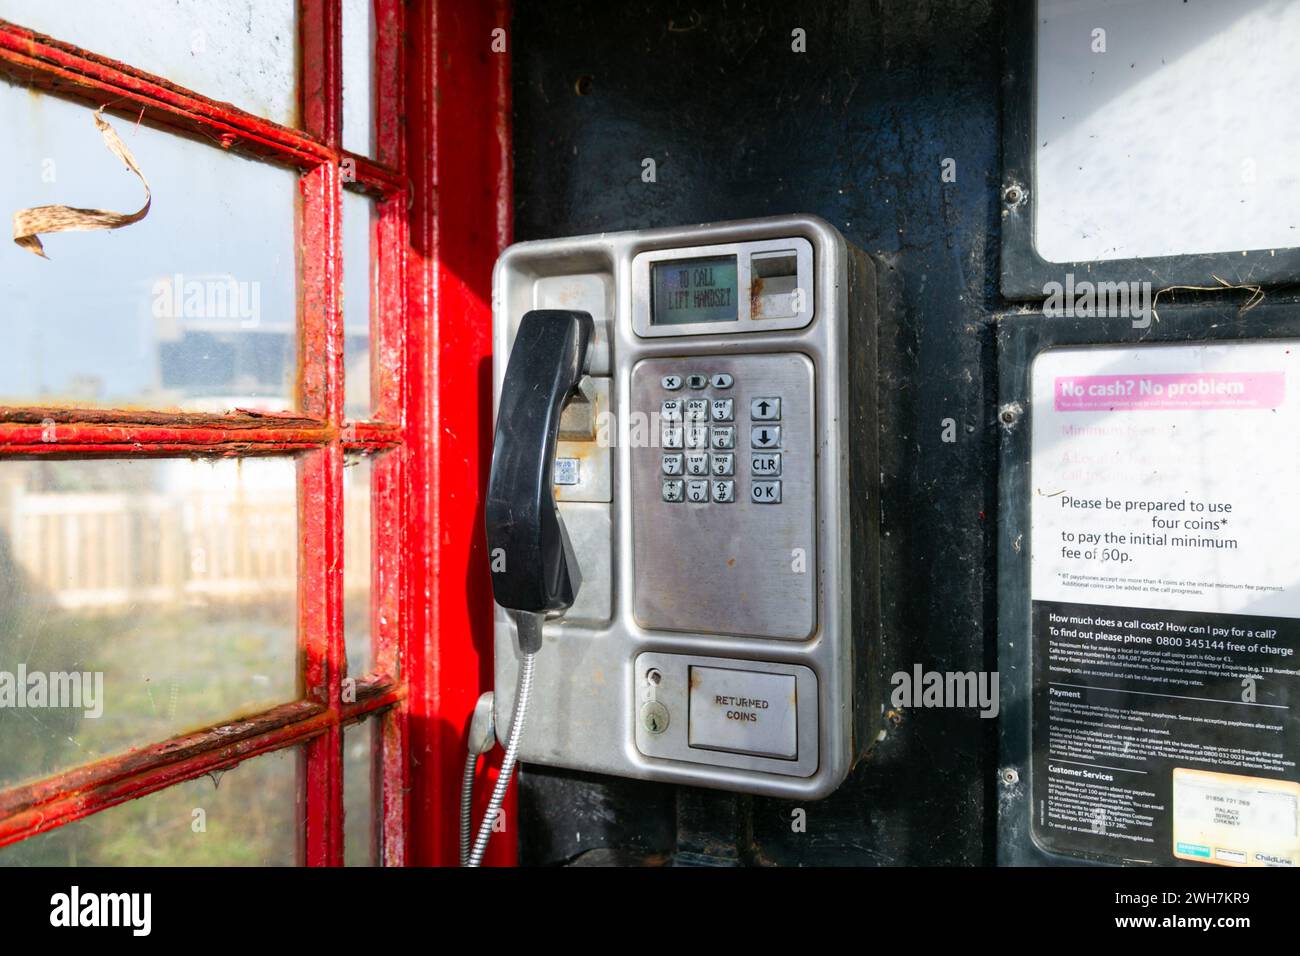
{"type": "Point", "coordinates": [430, 351]}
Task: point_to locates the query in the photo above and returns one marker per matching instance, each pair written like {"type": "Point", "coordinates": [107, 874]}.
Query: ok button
{"type": "Point", "coordinates": [765, 492]}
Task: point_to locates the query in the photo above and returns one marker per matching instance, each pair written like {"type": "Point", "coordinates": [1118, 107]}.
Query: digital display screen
{"type": "Point", "coordinates": [693, 290]}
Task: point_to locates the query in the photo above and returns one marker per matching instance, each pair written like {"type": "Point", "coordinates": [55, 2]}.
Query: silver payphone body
{"type": "Point", "coordinates": [716, 476]}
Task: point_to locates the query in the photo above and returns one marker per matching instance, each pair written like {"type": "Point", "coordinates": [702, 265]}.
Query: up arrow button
{"type": "Point", "coordinates": [765, 409]}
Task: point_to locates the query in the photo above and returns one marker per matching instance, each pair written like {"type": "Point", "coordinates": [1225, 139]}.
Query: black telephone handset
{"type": "Point", "coordinates": [533, 568]}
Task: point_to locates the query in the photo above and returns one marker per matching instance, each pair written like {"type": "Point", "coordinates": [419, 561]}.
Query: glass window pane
{"type": "Point", "coordinates": [140, 599]}
{"type": "Point", "coordinates": [192, 307]}
{"type": "Point", "coordinates": [357, 477]}
{"type": "Point", "coordinates": [1165, 128]}
{"type": "Point", "coordinates": [240, 51]}
{"type": "Point", "coordinates": [246, 816]}
{"type": "Point", "coordinates": [358, 297]}
{"type": "Point", "coordinates": [359, 76]}
{"type": "Point", "coordinates": [360, 826]}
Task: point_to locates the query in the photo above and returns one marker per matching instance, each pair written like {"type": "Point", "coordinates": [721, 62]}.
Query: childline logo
{"type": "Point", "coordinates": [922, 688]}
{"type": "Point", "coordinates": [133, 910]}
{"type": "Point", "coordinates": [1089, 299]}
{"type": "Point", "coordinates": [57, 690]}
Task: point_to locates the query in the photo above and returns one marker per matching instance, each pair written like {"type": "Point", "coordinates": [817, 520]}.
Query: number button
{"type": "Point", "coordinates": [724, 491]}
{"type": "Point", "coordinates": [765, 409]}
{"type": "Point", "coordinates": [671, 411]}
{"type": "Point", "coordinates": [765, 436]}
{"type": "Point", "coordinates": [765, 466]}
{"type": "Point", "coordinates": [724, 465]}
{"type": "Point", "coordinates": [672, 436]}
{"type": "Point", "coordinates": [723, 409]}
{"type": "Point", "coordinates": [697, 409]}
{"type": "Point", "coordinates": [697, 463]}
{"type": "Point", "coordinates": [697, 491]}
{"type": "Point", "coordinates": [672, 464]}
{"type": "Point", "coordinates": [765, 492]}
{"type": "Point", "coordinates": [724, 436]}
{"type": "Point", "coordinates": [697, 436]}
{"type": "Point", "coordinates": [673, 489]}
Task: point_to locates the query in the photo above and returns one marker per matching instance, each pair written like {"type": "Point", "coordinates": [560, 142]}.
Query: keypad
{"type": "Point", "coordinates": [698, 436]}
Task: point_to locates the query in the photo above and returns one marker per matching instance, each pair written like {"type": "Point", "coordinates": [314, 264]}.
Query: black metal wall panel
{"type": "Point", "coordinates": [856, 129]}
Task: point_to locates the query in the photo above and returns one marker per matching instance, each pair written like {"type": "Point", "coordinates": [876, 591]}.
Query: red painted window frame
{"type": "Point", "coordinates": [441, 181]}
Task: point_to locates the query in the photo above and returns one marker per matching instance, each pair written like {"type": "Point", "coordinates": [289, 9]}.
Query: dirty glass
{"type": "Point", "coordinates": [242, 52]}
{"type": "Point", "coordinates": [1165, 128]}
{"type": "Point", "coordinates": [246, 816]}
{"type": "Point", "coordinates": [358, 77]}
{"type": "Point", "coordinates": [357, 478]}
{"type": "Point", "coordinates": [359, 799]}
{"type": "Point", "coordinates": [358, 300]}
{"type": "Point", "coordinates": [193, 307]}
{"type": "Point", "coordinates": [140, 599]}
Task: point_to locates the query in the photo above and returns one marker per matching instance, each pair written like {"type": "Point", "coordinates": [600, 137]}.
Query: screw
{"type": "Point", "coordinates": [654, 676]}
{"type": "Point", "coordinates": [1010, 777]}
{"type": "Point", "coordinates": [1012, 195]}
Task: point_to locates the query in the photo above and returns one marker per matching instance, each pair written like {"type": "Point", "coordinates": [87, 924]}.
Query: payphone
{"type": "Point", "coordinates": [682, 512]}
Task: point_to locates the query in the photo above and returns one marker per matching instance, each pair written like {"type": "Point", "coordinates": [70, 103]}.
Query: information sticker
{"type": "Point", "coordinates": [1165, 588]}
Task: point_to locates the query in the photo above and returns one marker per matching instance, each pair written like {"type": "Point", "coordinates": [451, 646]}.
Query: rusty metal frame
{"type": "Point", "coordinates": [442, 108]}
{"type": "Point", "coordinates": [318, 433]}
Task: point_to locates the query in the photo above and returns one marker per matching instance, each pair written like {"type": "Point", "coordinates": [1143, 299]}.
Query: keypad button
{"type": "Point", "coordinates": [765, 492]}
{"type": "Point", "coordinates": [765, 466]}
{"type": "Point", "coordinates": [671, 411]}
{"type": "Point", "coordinates": [673, 489]}
{"type": "Point", "coordinates": [724, 436]}
{"type": "Point", "coordinates": [697, 381]}
{"type": "Point", "coordinates": [721, 380]}
{"type": "Point", "coordinates": [724, 464]}
{"type": "Point", "coordinates": [697, 491]}
{"type": "Point", "coordinates": [672, 436]}
{"type": "Point", "coordinates": [672, 464]}
{"type": "Point", "coordinates": [723, 409]}
{"type": "Point", "coordinates": [765, 436]}
{"type": "Point", "coordinates": [724, 491]}
{"type": "Point", "coordinates": [765, 409]}
{"type": "Point", "coordinates": [697, 409]}
{"type": "Point", "coordinates": [697, 436]}
{"type": "Point", "coordinates": [697, 463]}
{"type": "Point", "coordinates": [671, 382]}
